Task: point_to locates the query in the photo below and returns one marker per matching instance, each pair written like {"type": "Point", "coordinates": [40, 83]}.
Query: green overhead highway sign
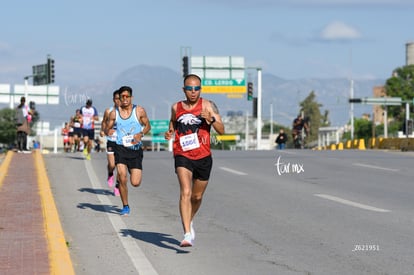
{"type": "Point", "coordinates": [223, 82]}
{"type": "Point", "coordinates": [159, 125]}
{"type": "Point", "coordinates": [158, 128]}
{"type": "Point", "coordinates": [220, 74]}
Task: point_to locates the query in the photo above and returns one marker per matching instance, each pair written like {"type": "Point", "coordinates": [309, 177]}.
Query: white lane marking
{"type": "Point", "coordinates": [352, 203]}
{"type": "Point", "coordinates": [375, 167]}
{"type": "Point", "coordinates": [137, 257]}
{"type": "Point", "coordinates": [289, 152]}
{"type": "Point", "coordinates": [233, 171]}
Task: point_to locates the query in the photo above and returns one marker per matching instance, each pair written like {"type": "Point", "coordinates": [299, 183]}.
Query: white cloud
{"type": "Point", "coordinates": [339, 31]}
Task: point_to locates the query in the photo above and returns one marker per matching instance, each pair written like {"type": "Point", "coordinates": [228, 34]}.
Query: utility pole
{"type": "Point", "coordinates": [271, 119]}
{"type": "Point", "coordinates": [385, 122]}
{"type": "Point", "coordinates": [407, 117]}
{"type": "Point", "coordinates": [259, 108]}
{"type": "Point", "coordinates": [246, 139]}
{"type": "Point", "coordinates": [351, 112]}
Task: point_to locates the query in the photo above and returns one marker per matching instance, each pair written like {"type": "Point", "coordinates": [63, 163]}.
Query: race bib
{"type": "Point", "coordinates": [77, 125]}
{"type": "Point", "coordinates": [189, 142]}
{"type": "Point", "coordinates": [87, 121]}
{"type": "Point", "coordinates": [127, 140]}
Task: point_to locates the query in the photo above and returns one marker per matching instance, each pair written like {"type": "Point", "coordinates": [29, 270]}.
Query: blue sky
{"type": "Point", "coordinates": [93, 41]}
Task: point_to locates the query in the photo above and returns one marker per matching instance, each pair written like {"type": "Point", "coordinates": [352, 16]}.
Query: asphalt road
{"type": "Point", "coordinates": [264, 212]}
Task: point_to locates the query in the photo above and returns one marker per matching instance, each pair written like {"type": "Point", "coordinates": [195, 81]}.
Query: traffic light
{"type": "Point", "coordinates": [50, 70]}
{"type": "Point", "coordinates": [185, 66]}
{"type": "Point", "coordinates": [249, 91]}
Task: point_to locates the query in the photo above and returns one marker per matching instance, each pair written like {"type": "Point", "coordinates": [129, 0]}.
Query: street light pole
{"type": "Point", "coordinates": [259, 108]}
{"type": "Point", "coordinates": [351, 112]}
{"type": "Point", "coordinates": [246, 139]}
{"type": "Point", "coordinates": [407, 117]}
{"type": "Point", "coordinates": [26, 84]}
{"type": "Point", "coordinates": [271, 119]}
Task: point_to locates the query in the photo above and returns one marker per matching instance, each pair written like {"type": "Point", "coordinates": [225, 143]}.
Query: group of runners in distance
{"type": "Point", "coordinates": [79, 133]}
{"type": "Point", "coordinates": [124, 125]}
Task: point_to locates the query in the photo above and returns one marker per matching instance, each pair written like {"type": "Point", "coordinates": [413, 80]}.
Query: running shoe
{"type": "Point", "coordinates": [116, 192]}
{"type": "Point", "coordinates": [125, 211]}
{"type": "Point", "coordinates": [192, 231]}
{"type": "Point", "coordinates": [85, 151]}
{"type": "Point", "coordinates": [111, 181]}
{"type": "Point", "coordinates": [88, 156]}
{"type": "Point", "coordinates": [187, 240]}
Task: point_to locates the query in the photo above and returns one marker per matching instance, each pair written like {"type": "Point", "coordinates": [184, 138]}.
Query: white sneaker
{"type": "Point", "coordinates": [192, 231]}
{"type": "Point", "coordinates": [187, 240]}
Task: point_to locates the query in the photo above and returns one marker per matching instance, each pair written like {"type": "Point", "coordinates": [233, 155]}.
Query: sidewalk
{"type": "Point", "coordinates": [31, 237]}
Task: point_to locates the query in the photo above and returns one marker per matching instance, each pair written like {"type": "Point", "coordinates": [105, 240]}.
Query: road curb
{"type": "Point", "coordinates": [60, 262]}
{"type": "Point", "coordinates": [5, 166]}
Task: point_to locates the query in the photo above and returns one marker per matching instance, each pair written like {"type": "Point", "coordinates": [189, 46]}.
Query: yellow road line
{"type": "Point", "coordinates": [5, 166]}
{"type": "Point", "coordinates": [60, 262]}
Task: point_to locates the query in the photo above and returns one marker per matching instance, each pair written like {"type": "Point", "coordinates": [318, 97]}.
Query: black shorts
{"type": "Point", "coordinates": [200, 168]}
{"type": "Point", "coordinates": [131, 158]}
{"type": "Point", "coordinates": [110, 147]}
{"type": "Point", "coordinates": [89, 133]}
{"type": "Point", "coordinates": [77, 132]}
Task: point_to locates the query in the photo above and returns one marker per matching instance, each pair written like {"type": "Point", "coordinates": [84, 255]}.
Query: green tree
{"type": "Point", "coordinates": [276, 128]}
{"type": "Point", "coordinates": [363, 128]}
{"type": "Point", "coordinates": [7, 126]}
{"type": "Point", "coordinates": [401, 84]}
{"type": "Point", "coordinates": [393, 128]}
{"type": "Point", "coordinates": [312, 113]}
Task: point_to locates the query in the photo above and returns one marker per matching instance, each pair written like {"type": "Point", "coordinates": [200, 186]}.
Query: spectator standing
{"type": "Point", "coordinates": [281, 139]}
{"type": "Point", "coordinates": [23, 119]}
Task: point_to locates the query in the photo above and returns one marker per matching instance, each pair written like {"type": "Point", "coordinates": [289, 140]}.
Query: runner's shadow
{"type": "Point", "coordinates": [96, 191]}
{"type": "Point", "coordinates": [99, 207]}
{"type": "Point", "coordinates": [158, 239]}
{"type": "Point", "coordinates": [76, 157]}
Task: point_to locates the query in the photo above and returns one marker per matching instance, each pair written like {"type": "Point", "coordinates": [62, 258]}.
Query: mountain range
{"type": "Point", "coordinates": [156, 88]}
